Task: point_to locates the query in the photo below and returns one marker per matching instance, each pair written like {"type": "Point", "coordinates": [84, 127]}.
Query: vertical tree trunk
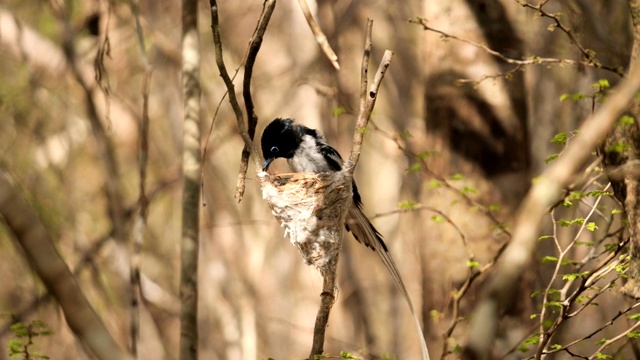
{"type": "Point", "coordinates": [621, 151]}
{"type": "Point", "coordinates": [191, 172]}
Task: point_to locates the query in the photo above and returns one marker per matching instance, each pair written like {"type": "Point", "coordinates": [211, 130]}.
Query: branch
{"type": "Point", "coordinates": [242, 129]}
{"type": "Point", "coordinates": [321, 38]}
{"type": "Point", "coordinates": [33, 238]}
{"type": "Point", "coordinates": [254, 47]}
{"type": "Point", "coordinates": [104, 144]}
{"type": "Point", "coordinates": [367, 99]}
{"type": "Point", "coordinates": [588, 54]}
{"type": "Point", "coordinates": [519, 63]}
{"type": "Point", "coordinates": [529, 215]}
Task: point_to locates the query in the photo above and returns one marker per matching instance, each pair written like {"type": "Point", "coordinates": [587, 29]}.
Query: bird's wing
{"type": "Point", "coordinates": [331, 155]}
{"type": "Point", "coordinates": [365, 233]}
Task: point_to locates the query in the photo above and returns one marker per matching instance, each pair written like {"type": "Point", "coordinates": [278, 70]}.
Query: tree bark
{"type": "Point", "coordinates": [191, 160]}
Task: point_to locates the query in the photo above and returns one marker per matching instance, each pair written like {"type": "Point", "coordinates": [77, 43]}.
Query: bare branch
{"type": "Point", "coordinates": [321, 38]}
{"type": "Point", "coordinates": [215, 29]}
{"type": "Point", "coordinates": [533, 60]}
{"type": "Point", "coordinates": [367, 98]}
{"type": "Point", "coordinates": [254, 47]}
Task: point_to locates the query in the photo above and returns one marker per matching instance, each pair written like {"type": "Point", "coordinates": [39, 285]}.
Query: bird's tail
{"type": "Point", "coordinates": [365, 233]}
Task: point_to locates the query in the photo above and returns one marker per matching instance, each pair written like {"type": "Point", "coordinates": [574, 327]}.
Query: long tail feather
{"type": "Point", "coordinates": [365, 233]}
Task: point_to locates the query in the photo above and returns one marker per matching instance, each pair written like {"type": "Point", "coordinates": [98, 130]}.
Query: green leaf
{"type": "Point", "coordinates": [574, 276]}
{"type": "Point", "coordinates": [405, 134]}
{"type": "Point", "coordinates": [600, 355]}
{"type": "Point", "coordinates": [435, 315]}
{"type": "Point", "coordinates": [626, 120]}
{"type": "Point", "coordinates": [601, 341]}
{"type": "Point", "coordinates": [494, 207]}
{"type": "Point", "coordinates": [414, 167]}
{"type": "Point", "coordinates": [425, 154]}
{"type": "Point", "coordinates": [618, 147]}
{"type": "Point", "coordinates": [601, 84]}
{"type": "Point", "coordinates": [407, 205]}
{"type": "Point", "coordinates": [434, 184]}
{"type": "Point", "coordinates": [15, 347]}
{"type": "Point", "coordinates": [534, 339]}
{"type": "Point", "coordinates": [337, 111]}
{"type": "Point", "coordinates": [634, 334]}
{"type": "Point", "coordinates": [622, 267]}
{"type": "Point", "coordinates": [566, 223]}
{"type": "Point", "coordinates": [611, 247]}
{"type": "Point", "coordinates": [582, 298]}
{"type": "Point", "coordinates": [591, 226]}
{"type": "Point", "coordinates": [616, 211]}
{"type": "Point", "coordinates": [457, 176]}
{"type": "Point", "coordinates": [551, 158]}
{"type": "Point", "coordinates": [547, 323]}
{"type": "Point", "coordinates": [472, 264]}
{"type": "Point", "coordinates": [553, 304]}
{"type": "Point", "coordinates": [564, 97]}
{"type": "Point", "coordinates": [346, 355]}
{"type": "Point", "coordinates": [469, 190]}
{"type": "Point", "coordinates": [548, 259]}
{"type": "Point", "coordinates": [634, 316]}
{"type": "Point", "coordinates": [560, 138]}
{"type": "Point", "coordinates": [543, 237]}
{"type": "Point", "coordinates": [437, 219]}
{"type": "Point", "coordinates": [555, 347]}
{"type": "Point", "coordinates": [598, 193]}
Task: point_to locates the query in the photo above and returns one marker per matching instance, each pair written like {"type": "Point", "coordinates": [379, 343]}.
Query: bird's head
{"type": "Point", "coordinates": [279, 140]}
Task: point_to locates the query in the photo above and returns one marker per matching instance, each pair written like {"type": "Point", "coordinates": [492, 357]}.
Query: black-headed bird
{"type": "Point", "coordinates": [306, 150]}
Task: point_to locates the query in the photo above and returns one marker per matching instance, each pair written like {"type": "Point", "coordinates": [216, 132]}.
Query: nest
{"type": "Point", "coordinates": [312, 210]}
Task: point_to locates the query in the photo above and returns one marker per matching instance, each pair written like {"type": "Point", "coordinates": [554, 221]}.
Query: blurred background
{"type": "Point", "coordinates": [456, 138]}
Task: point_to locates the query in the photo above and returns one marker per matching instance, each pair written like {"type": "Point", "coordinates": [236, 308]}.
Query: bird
{"type": "Point", "coordinates": [306, 150]}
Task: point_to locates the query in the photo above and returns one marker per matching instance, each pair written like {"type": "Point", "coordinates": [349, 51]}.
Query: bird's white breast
{"type": "Point", "coordinates": [308, 157]}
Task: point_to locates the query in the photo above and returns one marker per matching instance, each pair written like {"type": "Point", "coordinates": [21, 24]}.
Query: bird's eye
{"type": "Point", "coordinates": [275, 149]}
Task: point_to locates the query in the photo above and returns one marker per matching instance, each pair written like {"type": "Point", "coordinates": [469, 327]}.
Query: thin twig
{"type": "Point", "coordinates": [533, 60]}
{"type": "Point", "coordinates": [140, 222]}
{"type": "Point", "coordinates": [613, 340]}
{"type": "Point", "coordinates": [254, 47]}
{"type": "Point", "coordinates": [321, 38]}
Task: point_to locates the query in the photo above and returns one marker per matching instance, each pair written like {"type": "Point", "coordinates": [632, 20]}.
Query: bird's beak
{"type": "Point", "coordinates": [266, 164]}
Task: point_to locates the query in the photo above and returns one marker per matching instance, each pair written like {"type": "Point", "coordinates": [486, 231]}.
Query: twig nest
{"type": "Point", "coordinates": [312, 209]}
